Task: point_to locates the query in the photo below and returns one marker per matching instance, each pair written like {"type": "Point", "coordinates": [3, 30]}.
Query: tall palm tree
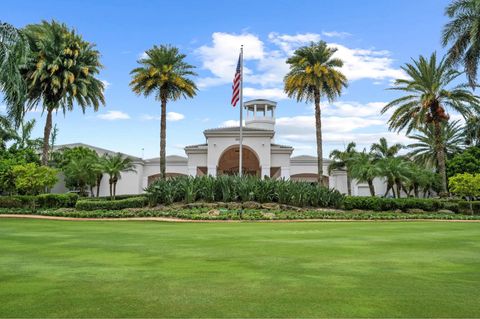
{"type": "Point", "coordinates": [14, 52]}
{"type": "Point", "coordinates": [164, 73]}
{"type": "Point", "coordinates": [383, 150]}
{"type": "Point", "coordinates": [61, 72]}
{"type": "Point", "coordinates": [114, 166]}
{"type": "Point", "coordinates": [423, 150]}
{"type": "Point", "coordinates": [341, 160]}
{"type": "Point", "coordinates": [463, 33]}
{"type": "Point", "coordinates": [427, 94]}
{"type": "Point", "coordinates": [364, 169]}
{"type": "Point", "coordinates": [314, 73]}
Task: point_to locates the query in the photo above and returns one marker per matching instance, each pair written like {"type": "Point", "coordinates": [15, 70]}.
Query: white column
{"type": "Point", "coordinates": [192, 171]}
{"type": "Point", "coordinates": [255, 112]}
{"type": "Point", "coordinates": [212, 171]}
{"type": "Point", "coordinates": [265, 171]}
{"type": "Point", "coordinates": [285, 172]}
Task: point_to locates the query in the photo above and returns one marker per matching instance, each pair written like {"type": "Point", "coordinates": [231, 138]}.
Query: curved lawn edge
{"type": "Point", "coordinates": [180, 220]}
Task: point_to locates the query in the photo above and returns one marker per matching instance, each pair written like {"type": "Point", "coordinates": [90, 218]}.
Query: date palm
{"type": "Point", "coordinates": [14, 51]}
{"type": "Point", "coordinates": [472, 130]}
{"type": "Point", "coordinates": [462, 32]}
{"type": "Point", "coordinates": [165, 74]}
{"type": "Point", "coordinates": [314, 73]}
{"type": "Point", "coordinates": [423, 149]}
{"type": "Point", "coordinates": [114, 166]}
{"type": "Point", "coordinates": [342, 160]}
{"type": "Point", "coordinates": [61, 73]}
{"type": "Point", "coordinates": [428, 93]}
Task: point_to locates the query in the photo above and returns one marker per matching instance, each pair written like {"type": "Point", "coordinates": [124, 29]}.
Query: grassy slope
{"type": "Point", "coordinates": [145, 269]}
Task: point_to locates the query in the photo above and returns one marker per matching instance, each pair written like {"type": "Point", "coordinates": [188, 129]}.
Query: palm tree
{"type": "Point", "coordinates": [472, 130]}
{"type": "Point", "coordinates": [342, 160]}
{"type": "Point", "coordinates": [364, 169]}
{"type": "Point", "coordinates": [427, 95]}
{"type": "Point", "coordinates": [114, 165]}
{"type": "Point", "coordinates": [61, 72]}
{"type": "Point", "coordinates": [463, 32]}
{"type": "Point", "coordinates": [383, 150]}
{"type": "Point", "coordinates": [313, 73]}
{"type": "Point", "coordinates": [164, 73]}
{"type": "Point", "coordinates": [396, 171]}
{"type": "Point", "coordinates": [419, 178]}
{"type": "Point", "coordinates": [423, 150]}
{"type": "Point", "coordinates": [14, 51]}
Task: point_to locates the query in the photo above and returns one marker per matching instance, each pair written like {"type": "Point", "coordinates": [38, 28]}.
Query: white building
{"type": "Point", "coordinates": [220, 155]}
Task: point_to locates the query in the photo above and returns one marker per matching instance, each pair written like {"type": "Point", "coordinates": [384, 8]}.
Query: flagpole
{"type": "Point", "coordinates": [240, 161]}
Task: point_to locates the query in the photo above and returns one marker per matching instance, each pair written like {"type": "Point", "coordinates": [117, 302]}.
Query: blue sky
{"type": "Point", "coordinates": [373, 37]}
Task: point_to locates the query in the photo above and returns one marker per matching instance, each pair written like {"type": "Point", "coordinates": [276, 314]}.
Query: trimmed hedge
{"type": "Point", "coordinates": [205, 214]}
{"type": "Point", "coordinates": [133, 202]}
{"type": "Point", "coordinates": [117, 197]}
{"type": "Point", "coordinates": [464, 207]}
{"type": "Point", "coordinates": [42, 201]}
{"type": "Point", "coordinates": [389, 204]}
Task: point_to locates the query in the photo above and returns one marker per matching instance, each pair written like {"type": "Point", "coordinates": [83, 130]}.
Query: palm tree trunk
{"type": "Point", "coordinates": [371, 187]}
{"type": "Point", "coordinates": [46, 137]}
{"type": "Point", "coordinates": [399, 189]}
{"type": "Point", "coordinates": [99, 180]}
{"type": "Point", "coordinates": [349, 184]}
{"type": "Point", "coordinates": [163, 131]}
{"type": "Point", "coordinates": [114, 189]}
{"type": "Point", "coordinates": [440, 158]}
{"type": "Point", "coordinates": [415, 191]}
{"type": "Point", "coordinates": [111, 189]}
{"type": "Point", "coordinates": [318, 126]}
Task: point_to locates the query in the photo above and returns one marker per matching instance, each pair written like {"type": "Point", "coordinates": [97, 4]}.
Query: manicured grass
{"type": "Point", "coordinates": [152, 269]}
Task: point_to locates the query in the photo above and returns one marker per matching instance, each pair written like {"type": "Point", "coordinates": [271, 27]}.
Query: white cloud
{"type": "Point", "coordinates": [173, 116]}
{"type": "Point", "coordinates": [114, 115]}
{"type": "Point", "coordinates": [266, 61]}
{"type": "Point", "coordinates": [344, 108]}
{"type": "Point", "coordinates": [106, 84]}
{"type": "Point", "coordinates": [273, 93]}
{"type": "Point", "coordinates": [335, 34]}
{"type": "Point", "coordinates": [221, 57]}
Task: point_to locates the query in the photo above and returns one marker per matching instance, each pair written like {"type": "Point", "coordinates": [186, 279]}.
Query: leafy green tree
{"type": "Point", "coordinates": [383, 150]}
{"type": "Point", "coordinates": [365, 169]}
{"type": "Point", "coordinates": [114, 166]}
{"type": "Point", "coordinates": [423, 150]}
{"type": "Point", "coordinates": [465, 185]}
{"type": "Point", "coordinates": [428, 92]}
{"type": "Point", "coordinates": [314, 73]}
{"type": "Point", "coordinates": [462, 33]}
{"type": "Point", "coordinates": [342, 160]}
{"type": "Point", "coordinates": [60, 72]}
{"type": "Point", "coordinates": [32, 179]}
{"type": "Point", "coordinates": [466, 162]}
{"type": "Point", "coordinates": [164, 73]}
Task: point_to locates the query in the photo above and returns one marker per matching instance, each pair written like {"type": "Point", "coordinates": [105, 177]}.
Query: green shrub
{"type": "Point", "coordinates": [469, 207]}
{"type": "Point", "coordinates": [56, 200]}
{"type": "Point", "coordinates": [243, 189]}
{"type": "Point", "coordinates": [133, 202]}
{"type": "Point", "coordinates": [42, 201]}
{"type": "Point", "coordinates": [390, 204]}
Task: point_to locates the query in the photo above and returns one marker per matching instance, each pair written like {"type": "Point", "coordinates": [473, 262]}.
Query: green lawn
{"type": "Point", "coordinates": [153, 269]}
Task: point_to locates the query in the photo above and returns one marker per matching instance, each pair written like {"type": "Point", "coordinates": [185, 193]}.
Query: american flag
{"type": "Point", "coordinates": [236, 85]}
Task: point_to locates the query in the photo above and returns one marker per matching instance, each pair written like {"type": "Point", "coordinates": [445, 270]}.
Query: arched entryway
{"type": "Point", "coordinates": [228, 163]}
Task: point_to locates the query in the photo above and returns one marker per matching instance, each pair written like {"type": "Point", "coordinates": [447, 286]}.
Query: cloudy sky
{"type": "Point", "coordinates": [373, 37]}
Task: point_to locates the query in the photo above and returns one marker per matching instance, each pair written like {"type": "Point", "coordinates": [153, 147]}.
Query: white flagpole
{"type": "Point", "coordinates": [240, 161]}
